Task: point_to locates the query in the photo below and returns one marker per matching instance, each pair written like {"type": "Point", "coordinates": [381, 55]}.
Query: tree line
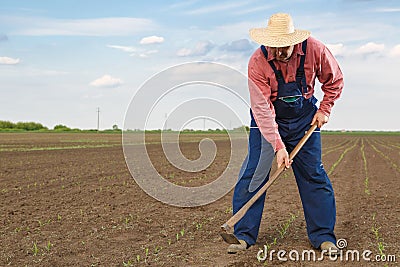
{"type": "Point", "coordinates": [25, 126]}
{"type": "Point", "coordinates": [35, 126]}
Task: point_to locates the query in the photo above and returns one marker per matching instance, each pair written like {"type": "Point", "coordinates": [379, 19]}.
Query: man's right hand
{"type": "Point", "coordinates": [282, 157]}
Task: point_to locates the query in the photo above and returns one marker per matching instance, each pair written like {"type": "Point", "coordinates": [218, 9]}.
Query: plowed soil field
{"type": "Point", "coordinates": [70, 200]}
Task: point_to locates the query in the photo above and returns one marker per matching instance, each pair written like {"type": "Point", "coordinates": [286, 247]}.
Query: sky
{"type": "Point", "coordinates": [61, 60]}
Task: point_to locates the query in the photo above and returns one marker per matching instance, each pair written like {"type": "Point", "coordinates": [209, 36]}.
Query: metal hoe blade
{"type": "Point", "coordinates": [230, 238]}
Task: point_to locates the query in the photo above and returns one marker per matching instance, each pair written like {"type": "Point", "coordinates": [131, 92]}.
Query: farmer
{"type": "Point", "coordinates": [282, 76]}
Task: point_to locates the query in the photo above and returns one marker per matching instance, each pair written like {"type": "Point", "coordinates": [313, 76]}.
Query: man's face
{"type": "Point", "coordinates": [282, 53]}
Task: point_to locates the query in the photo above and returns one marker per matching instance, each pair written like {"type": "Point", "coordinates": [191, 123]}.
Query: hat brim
{"type": "Point", "coordinates": [263, 37]}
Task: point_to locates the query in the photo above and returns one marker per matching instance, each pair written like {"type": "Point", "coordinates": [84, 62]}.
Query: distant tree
{"type": "Point", "coordinates": [7, 125]}
{"type": "Point", "coordinates": [115, 127]}
{"type": "Point", "coordinates": [60, 127]}
{"type": "Point", "coordinates": [30, 126]}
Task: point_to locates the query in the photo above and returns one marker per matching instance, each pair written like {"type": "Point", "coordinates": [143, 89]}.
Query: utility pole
{"type": "Point", "coordinates": [98, 119]}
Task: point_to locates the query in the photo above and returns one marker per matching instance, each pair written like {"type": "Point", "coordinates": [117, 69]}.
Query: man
{"type": "Point", "coordinates": [282, 76]}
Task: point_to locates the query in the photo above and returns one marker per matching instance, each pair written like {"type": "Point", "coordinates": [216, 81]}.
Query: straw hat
{"type": "Point", "coordinates": [280, 32]}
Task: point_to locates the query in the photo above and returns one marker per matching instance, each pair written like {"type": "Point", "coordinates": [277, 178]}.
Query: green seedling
{"type": "Point", "coordinates": [35, 249]}
{"type": "Point", "coordinates": [48, 246]}
{"type": "Point", "coordinates": [366, 180]}
{"type": "Point", "coordinates": [267, 246]}
{"type": "Point", "coordinates": [284, 227]}
{"type": "Point", "coordinates": [381, 248]}
{"type": "Point", "coordinates": [43, 223]}
{"type": "Point", "coordinates": [157, 249]}
{"type": "Point", "coordinates": [282, 232]}
{"type": "Point", "coordinates": [127, 264]}
{"type": "Point", "coordinates": [375, 230]}
{"type": "Point", "coordinates": [146, 254]}
{"type": "Point", "coordinates": [228, 210]}
{"type": "Point", "coordinates": [366, 187]}
{"type": "Point", "coordinates": [127, 220]}
{"type": "Point", "coordinates": [198, 226]}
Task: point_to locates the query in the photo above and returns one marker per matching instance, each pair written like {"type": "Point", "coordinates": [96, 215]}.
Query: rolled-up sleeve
{"type": "Point", "coordinates": [261, 105]}
{"type": "Point", "coordinates": [331, 78]}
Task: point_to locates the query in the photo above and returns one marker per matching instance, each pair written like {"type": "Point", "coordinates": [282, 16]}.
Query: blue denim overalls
{"type": "Point", "coordinates": [294, 114]}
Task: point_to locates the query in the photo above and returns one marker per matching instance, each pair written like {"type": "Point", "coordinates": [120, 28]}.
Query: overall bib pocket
{"type": "Point", "coordinates": [290, 101]}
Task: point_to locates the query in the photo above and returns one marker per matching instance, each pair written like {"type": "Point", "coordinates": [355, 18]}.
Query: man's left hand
{"type": "Point", "coordinates": [320, 118]}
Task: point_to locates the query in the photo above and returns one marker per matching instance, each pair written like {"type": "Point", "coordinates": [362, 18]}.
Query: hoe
{"type": "Point", "coordinates": [227, 228]}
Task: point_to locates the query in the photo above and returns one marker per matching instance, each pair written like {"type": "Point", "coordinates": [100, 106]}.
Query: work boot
{"type": "Point", "coordinates": [330, 248]}
{"type": "Point", "coordinates": [234, 248]}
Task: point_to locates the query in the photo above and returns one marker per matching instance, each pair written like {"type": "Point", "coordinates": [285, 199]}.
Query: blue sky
{"type": "Point", "coordinates": [60, 60]}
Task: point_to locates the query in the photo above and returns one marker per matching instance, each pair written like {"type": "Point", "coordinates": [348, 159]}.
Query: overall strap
{"type": "Point", "coordinates": [300, 71]}
{"type": "Point", "coordinates": [278, 73]}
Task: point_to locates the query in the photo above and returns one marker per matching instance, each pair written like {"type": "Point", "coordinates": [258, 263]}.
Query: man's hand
{"type": "Point", "coordinates": [320, 118]}
{"type": "Point", "coordinates": [282, 157]}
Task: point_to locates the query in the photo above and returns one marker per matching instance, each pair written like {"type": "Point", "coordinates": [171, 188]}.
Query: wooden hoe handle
{"type": "Point", "coordinates": [228, 226]}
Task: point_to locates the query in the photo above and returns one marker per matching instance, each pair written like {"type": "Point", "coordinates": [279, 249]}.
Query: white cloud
{"type": "Point", "coordinates": [388, 10]}
{"type": "Point", "coordinates": [200, 49]}
{"type": "Point", "coordinates": [336, 49]}
{"type": "Point", "coordinates": [395, 51]}
{"type": "Point", "coordinates": [370, 48]}
{"type": "Point", "coordinates": [111, 26]}
{"type": "Point", "coordinates": [9, 61]}
{"type": "Point", "coordinates": [129, 49]}
{"type": "Point", "coordinates": [134, 51]}
{"type": "Point", "coordinates": [106, 81]}
{"type": "Point", "coordinates": [152, 40]}
{"type": "Point", "coordinates": [184, 52]}
{"type": "Point", "coordinates": [146, 53]}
